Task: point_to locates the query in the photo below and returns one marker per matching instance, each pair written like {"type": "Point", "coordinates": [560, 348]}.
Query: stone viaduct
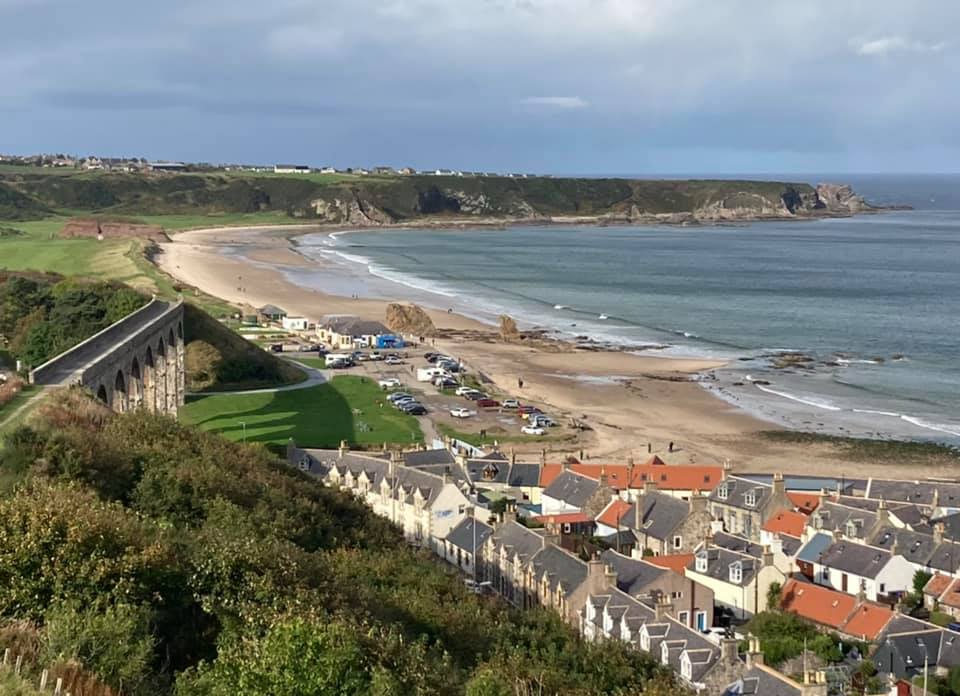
{"type": "Point", "coordinates": [138, 362]}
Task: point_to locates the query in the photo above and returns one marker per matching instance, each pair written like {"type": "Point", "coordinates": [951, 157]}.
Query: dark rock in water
{"type": "Point", "coordinates": [738, 384]}
{"type": "Point", "coordinates": [744, 359]}
{"type": "Point", "coordinates": [761, 382]}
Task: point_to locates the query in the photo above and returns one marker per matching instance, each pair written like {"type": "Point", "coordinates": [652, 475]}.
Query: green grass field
{"type": "Point", "coordinates": [321, 416]}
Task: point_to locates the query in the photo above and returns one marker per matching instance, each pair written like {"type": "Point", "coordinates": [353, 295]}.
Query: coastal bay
{"type": "Point", "coordinates": [628, 399]}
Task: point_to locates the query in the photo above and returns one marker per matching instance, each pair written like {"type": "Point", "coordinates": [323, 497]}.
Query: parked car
{"type": "Point", "coordinates": [462, 412]}
{"type": "Point", "coordinates": [396, 396]}
{"type": "Point", "coordinates": [510, 403]}
{"type": "Point", "coordinates": [414, 409]}
{"type": "Point", "coordinates": [339, 364]}
{"type": "Point", "coordinates": [463, 391]}
{"type": "Point", "coordinates": [475, 395]}
{"type": "Point", "coordinates": [444, 382]}
{"type": "Point", "coordinates": [487, 403]}
{"type": "Point", "coordinates": [276, 347]}
{"type": "Point", "coordinates": [393, 361]}
{"type": "Point", "coordinates": [538, 420]}
{"type": "Point", "coordinates": [429, 357]}
{"type": "Point", "coordinates": [375, 355]}
{"type": "Point", "coordinates": [389, 383]}
{"type": "Point", "coordinates": [532, 430]}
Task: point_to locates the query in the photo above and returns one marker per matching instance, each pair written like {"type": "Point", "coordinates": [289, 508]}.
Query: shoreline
{"type": "Point", "coordinates": [628, 400]}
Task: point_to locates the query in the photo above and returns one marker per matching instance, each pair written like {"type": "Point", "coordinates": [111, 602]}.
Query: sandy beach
{"type": "Point", "coordinates": [628, 400]}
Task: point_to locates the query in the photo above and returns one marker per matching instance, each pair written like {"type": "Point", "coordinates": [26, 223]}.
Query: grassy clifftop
{"type": "Point", "coordinates": [34, 194]}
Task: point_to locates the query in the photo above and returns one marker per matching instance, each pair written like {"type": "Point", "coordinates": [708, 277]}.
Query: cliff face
{"type": "Point", "coordinates": [380, 200]}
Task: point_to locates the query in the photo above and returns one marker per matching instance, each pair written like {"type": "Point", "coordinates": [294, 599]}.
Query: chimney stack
{"type": "Point", "coordinates": [596, 575]}
{"type": "Point", "coordinates": [513, 456]}
{"type": "Point", "coordinates": [344, 448]}
{"type": "Point", "coordinates": [779, 487]}
{"type": "Point", "coordinates": [728, 651]}
{"type": "Point", "coordinates": [664, 607]}
{"type": "Point", "coordinates": [938, 530]}
{"type": "Point", "coordinates": [698, 502]}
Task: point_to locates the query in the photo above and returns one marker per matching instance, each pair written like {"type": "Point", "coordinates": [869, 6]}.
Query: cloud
{"type": "Point", "coordinates": [895, 44]}
{"type": "Point", "coordinates": [563, 103]}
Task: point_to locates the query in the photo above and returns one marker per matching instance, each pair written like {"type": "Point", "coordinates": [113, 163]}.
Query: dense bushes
{"type": "Point", "coordinates": [167, 560]}
{"type": "Point", "coordinates": [42, 317]}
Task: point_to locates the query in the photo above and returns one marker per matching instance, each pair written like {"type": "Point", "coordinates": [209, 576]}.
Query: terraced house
{"type": "Point", "coordinates": [743, 506]}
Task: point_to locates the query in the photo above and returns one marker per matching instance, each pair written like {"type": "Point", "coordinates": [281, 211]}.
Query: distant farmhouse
{"type": "Point", "coordinates": [291, 169]}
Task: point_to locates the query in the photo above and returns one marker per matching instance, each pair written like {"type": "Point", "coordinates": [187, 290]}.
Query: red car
{"type": "Point", "coordinates": [487, 403]}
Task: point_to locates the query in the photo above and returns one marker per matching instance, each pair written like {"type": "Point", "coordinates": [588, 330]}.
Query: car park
{"type": "Point", "coordinates": [462, 412]}
{"type": "Point", "coordinates": [532, 430]}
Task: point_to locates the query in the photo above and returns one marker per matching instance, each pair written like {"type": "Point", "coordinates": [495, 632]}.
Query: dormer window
{"type": "Point", "coordinates": [686, 668]}
{"type": "Point", "coordinates": [644, 639]}
{"type": "Point", "coordinates": [818, 521]}
{"type": "Point", "coordinates": [701, 562]}
{"type": "Point", "coordinates": [736, 572]}
{"type": "Point", "coordinates": [664, 653]}
{"type": "Point", "coordinates": [723, 491]}
{"type": "Point", "coordinates": [750, 498]}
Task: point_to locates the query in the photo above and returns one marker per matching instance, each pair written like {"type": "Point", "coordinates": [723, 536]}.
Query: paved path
{"type": "Point", "coordinates": [314, 377]}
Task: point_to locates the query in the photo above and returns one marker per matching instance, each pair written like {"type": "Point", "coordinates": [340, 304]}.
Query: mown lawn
{"type": "Point", "coordinates": [39, 249]}
{"type": "Point", "coordinates": [345, 408]}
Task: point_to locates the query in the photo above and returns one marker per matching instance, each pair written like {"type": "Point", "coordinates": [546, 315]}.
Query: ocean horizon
{"type": "Point", "coordinates": [872, 302]}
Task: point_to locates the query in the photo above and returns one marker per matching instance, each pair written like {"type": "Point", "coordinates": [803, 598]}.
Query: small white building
{"type": "Point", "coordinates": [854, 568]}
{"type": "Point", "coordinates": [291, 169]}
{"type": "Point", "coordinates": [295, 323]}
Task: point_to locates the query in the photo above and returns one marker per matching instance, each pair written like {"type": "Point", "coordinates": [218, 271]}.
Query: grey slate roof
{"type": "Point", "coordinates": [811, 551]}
{"type": "Point", "coordinates": [428, 457]}
{"type": "Point", "coordinates": [633, 576]}
{"type": "Point", "coordinates": [572, 488]}
{"type": "Point", "coordinates": [704, 654]}
{"type": "Point", "coordinates": [462, 536]}
{"type": "Point", "coordinates": [856, 559]}
{"type": "Point", "coordinates": [904, 654]}
{"type": "Point", "coordinates": [832, 516]}
{"type": "Point", "coordinates": [718, 565]}
{"type": "Point", "coordinates": [271, 310]}
{"type": "Point", "coordinates": [483, 471]}
{"type": "Point", "coordinates": [916, 548]}
{"type": "Point", "coordinates": [517, 539]}
{"type": "Point", "coordinates": [563, 568]}
{"type": "Point", "coordinates": [737, 543]}
{"type": "Point", "coordinates": [927, 493]}
{"type": "Point", "coordinates": [524, 475]}
{"type": "Point", "coordinates": [762, 682]}
{"type": "Point", "coordinates": [662, 514]}
{"type": "Point", "coordinates": [353, 326]}
{"type": "Point", "coordinates": [733, 491]}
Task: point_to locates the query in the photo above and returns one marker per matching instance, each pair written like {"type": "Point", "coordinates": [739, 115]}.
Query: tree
{"type": "Point", "coordinates": [773, 596]}
{"type": "Point", "coordinates": [920, 580]}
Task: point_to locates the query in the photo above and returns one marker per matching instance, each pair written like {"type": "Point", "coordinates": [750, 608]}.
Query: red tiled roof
{"type": "Point", "coordinates": [805, 502]}
{"type": "Point", "coordinates": [951, 596]}
{"type": "Point", "coordinates": [613, 515]}
{"type": "Point", "coordinates": [676, 562]}
{"type": "Point", "coordinates": [937, 584]}
{"type": "Point", "coordinates": [867, 621]}
{"type": "Point", "coordinates": [787, 522]}
{"type": "Point", "coordinates": [667, 477]}
{"type": "Point", "coordinates": [564, 518]}
{"type": "Point", "coordinates": [818, 604]}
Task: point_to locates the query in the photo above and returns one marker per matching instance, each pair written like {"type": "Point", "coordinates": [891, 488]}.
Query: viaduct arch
{"type": "Point", "coordinates": [138, 362]}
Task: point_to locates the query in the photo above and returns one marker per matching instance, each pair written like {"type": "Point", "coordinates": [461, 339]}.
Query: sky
{"type": "Point", "coordinates": [548, 86]}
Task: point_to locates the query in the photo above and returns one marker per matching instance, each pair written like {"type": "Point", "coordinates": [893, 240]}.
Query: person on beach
{"type": "Point", "coordinates": [519, 382]}
{"type": "Point", "coordinates": [670, 447]}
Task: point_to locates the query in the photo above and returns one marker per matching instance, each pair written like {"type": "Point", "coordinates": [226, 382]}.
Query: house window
{"type": "Point", "coordinates": [566, 527]}
{"type": "Point", "coordinates": [736, 572]}
{"type": "Point", "coordinates": [701, 620]}
{"type": "Point", "coordinates": [883, 588]}
{"type": "Point", "coordinates": [684, 618]}
{"type": "Point", "coordinates": [664, 653]}
{"type": "Point", "coordinates": [676, 595]}
{"type": "Point", "coordinates": [677, 542]}
{"type": "Point", "coordinates": [750, 499]}
{"type": "Point", "coordinates": [644, 640]}
{"type": "Point", "coordinates": [723, 491]}
{"type": "Point", "coordinates": [686, 668]}
{"type": "Point", "coordinates": [701, 563]}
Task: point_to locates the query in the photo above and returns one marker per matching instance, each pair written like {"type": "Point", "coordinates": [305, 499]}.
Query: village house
{"type": "Point", "coordinates": [345, 332]}
{"type": "Point", "coordinates": [690, 603]}
{"type": "Point", "coordinates": [927, 552]}
{"type": "Point", "coordinates": [942, 593]}
{"type": "Point", "coordinates": [494, 471]}
{"type": "Point", "coordinates": [291, 169]}
{"type": "Point", "coordinates": [740, 582]}
{"type": "Point", "coordinates": [783, 549]}
{"type": "Point", "coordinates": [810, 552]}
{"type": "Point", "coordinates": [910, 647]}
{"type": "Point", "coordinates": [571, 492]}
{"type": "Point", "coordinates": [860, 569]}
{"type": "Point", "coordinates": [629, 479]}
{"type": "Point", "coordinates": [661, 523]}
{"type": "Point", "coordinates": [761, 680]}
{"type": "Point", "coordinates": [270, 313]}
{"type": "Point", "coordinates": [744, 506]}
{"type": "Point", "coordinates": [835, 611]}
{"type": "Point", "coordinates": [463, 543]}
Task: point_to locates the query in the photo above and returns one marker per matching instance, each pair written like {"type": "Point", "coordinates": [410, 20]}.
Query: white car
{"type": "Point", "coordinates": [531, 430]}
{"type": "Point", "coordinates": [389, 383]}
{"type": "Point", "coordinates": [462, 412]}
{"type": "Point", "coordinates": [393, 361]}
{"type": "Point", "coordinates": [510, 403]}
{"type": "Point", "coordinates": [463, 391]}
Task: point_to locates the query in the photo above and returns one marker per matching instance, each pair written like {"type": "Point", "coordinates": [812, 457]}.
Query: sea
{"type": "Point", "coordinates": [870, 304]}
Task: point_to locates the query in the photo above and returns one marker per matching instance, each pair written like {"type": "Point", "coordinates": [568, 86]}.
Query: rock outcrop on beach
{"type": "Point", "coordinates": [410, 320]}
{"type": "Point", "coordinates": [112, 230]}
{"type": "Point", "coordinates": [508, 328]}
